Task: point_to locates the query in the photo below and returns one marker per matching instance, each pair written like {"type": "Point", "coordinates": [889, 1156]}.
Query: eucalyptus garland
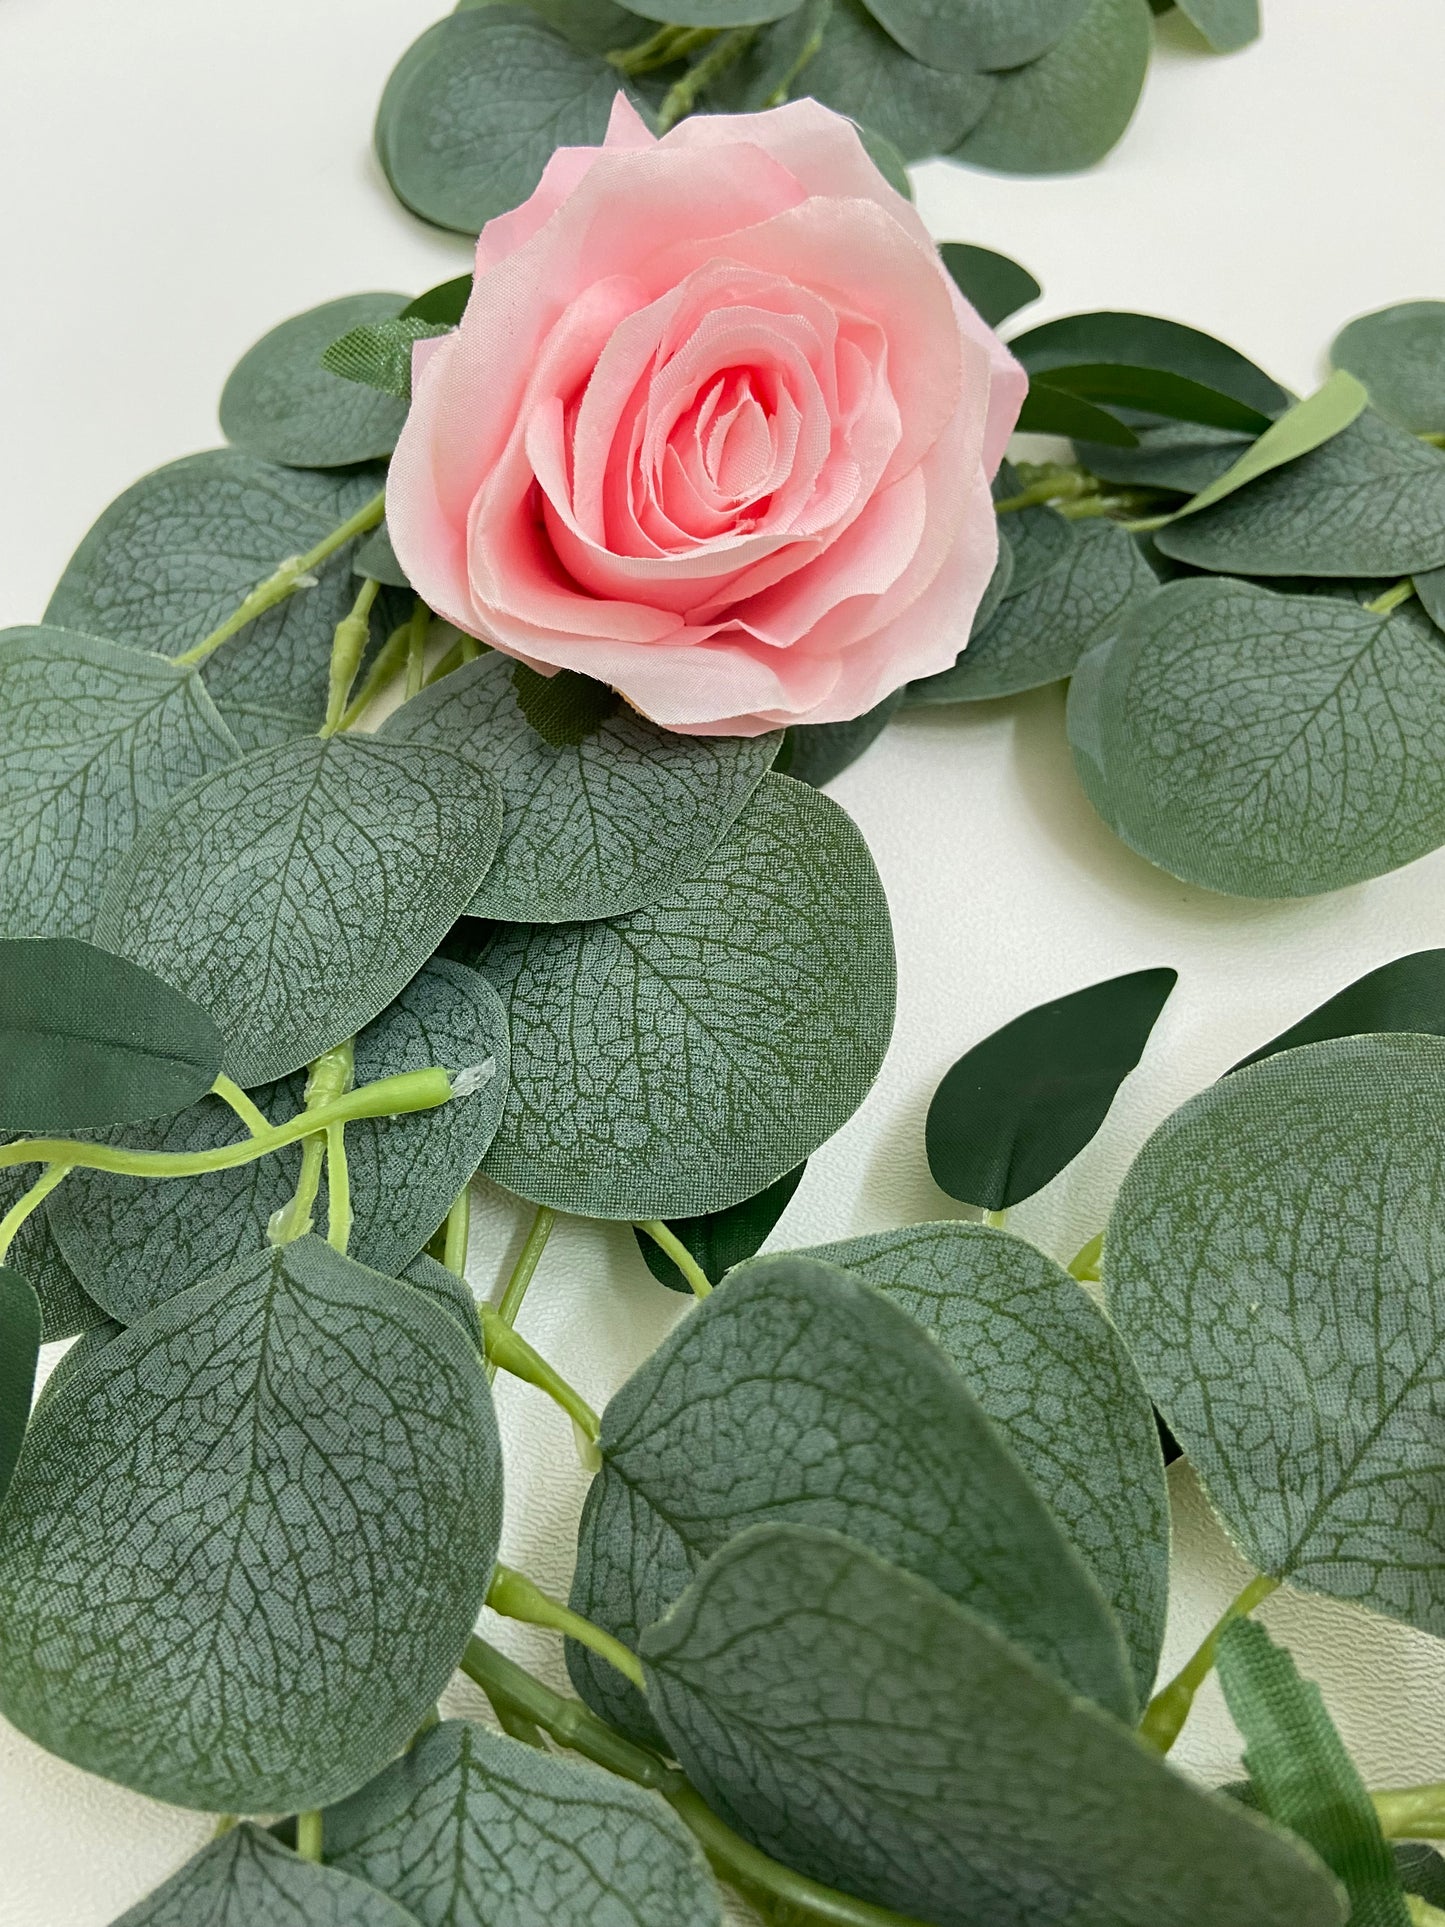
{"type": "Point", "coordinates": [317, 905]}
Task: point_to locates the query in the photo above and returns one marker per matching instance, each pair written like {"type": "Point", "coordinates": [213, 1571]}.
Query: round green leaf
{"type": "Point", "coordinates": [596, 26]}
{"type": "Point", "coordinates": [798, 1393]}
{"type": "Point", "coordinates": [1179, 455]}
{"type": "Point", "coordinates": [721, 1239]}
{"type": "Point", "coordinates": [249, 1539]}
{"type": "Point", "coordinates": [817, 752]}
{"type": "Point", "coordinates": [280, 403]}
{"type": "Point", "coordinates": [88, 1039]}
{"type": "Point", "coordinates": [851, 1720]}
{"type": "Point", "coordinates": [1226, 24]}
{"type": "Point", "coordinates": [66, 1308]}
{"type": "Point", "coordinates": [471, 1829]}
{"type": "Point", "coordinates": [964, 35]}
{"type": "Point", "coordinates": [1265, 745]}
{"type": "Point", "coordinates": [1055, 1379]}
{"type": "Point", "coordinates": [1405, 994]}
{"type": "Point", "coordinates": [246, 1878]}
{"type": "Point", "coordinates": [375, 557]}
{"type": "Point", "coordinates": [1271, 1264]}
{"type": "Point", "coordinates": [713, 13]}
{"type": "Point", "coordinates": [173, 556]}
{"type": "Point", "coordinates": [19, 1351]}
{"type": "Point", "coordinates": [95, 741]}
{"type": "Point", "coordinates": [475, 108]}
{"type": "Point", "coordinates": [860, 71]}
{"type": "Point", "coordinates": [682, 1058]}
{"type": "Point", "coordinates": [1107, 338]}
{"type": "Point", "coordinates": [1399, 354]}
{"type": "Point", "coordinates": [297, 891]}
{"type": "Point", "coordinates": [1067, 109]}
{"type": "Point", "coordinates": [136, 1242]}
{"type": "Point", "coordinates": [594, 827]}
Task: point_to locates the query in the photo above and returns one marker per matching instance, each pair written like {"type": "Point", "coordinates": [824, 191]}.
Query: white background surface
{"type": "Point", "coordinates": [178, 175]}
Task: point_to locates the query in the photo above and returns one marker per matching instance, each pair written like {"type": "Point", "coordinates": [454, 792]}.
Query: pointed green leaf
{"type": "Point", "coordinates": [286, 403]}
{"type": "Point", "coordinates": [296, 892]}
{"type": "Point", "coordinates": [564, 709]}
{"type": "Point", "coordinates": [1422, 1871]}
{"type": "Point", "coordinates": [1407, 993]}
{"type": "Point", "coordinates": [996, 286]}
{"type": "Point", "coordinates": [615, 819]}
{"type": "Point", "coordinates": [863, 73]}
{"type": "Point", "coordinates": [174, 555]}
{"type": "Point", "coordinates": [1302, 1776]}
{"type": "Point", "coordinates": [1271, 1267]}
{"type": "Point", "coordinates": [1140, 342]}
{"type": "Point", "coordinates": [248, 1879]}
{"type": "Point", "coordinates": [1174, 455]}
{"type": "Point", "coordinates": [375, 557]}
{"type": "Point", "coordinates": [817, 752]}
{"type": "Point", "coordinates": [470, 1829]}
{"type": "Point", "coordinates": [19, 1351]}
{"type": "Point", "coordinates": [446, 302]}
{"type": "Point", "coordinates": [679, 1059]}
{"type": "Point", "coordinates": [1226, 24]}
{"type": "Point", "coordinates": [377, 354]}
{"type": "Point", "coordinates": [249, 1539]}
{"type": "Point", "coordinates": [88, 1039]}
{"type": "Point", "coordinates": [1156, 391]}
{"type": "Point", "coordinates": [1067, 109]}
{"type": "Point", "coordinates": [1399, 354]}
{"type": "Point", "coordinates": [95, 741]}
{"type": "Point", "coordinates": [721, 1239]}
{"type": "Point", "coordinates": [65, 1306]}
{"type": "Point", "coordinates": [1019, 1106]}
{"type": "Point", "coordinates": [1265, 745]}
{"type": "Point", "coordinates": [1056, 411]}
{"type": "Point", "coordinates": [768, 69]}
{"type": "Point", "coordinates": [797, 1393]}
{"type": "Point", "coordinates": [136, 1243]}
{"type": "Point", "coordinates": [850, 1719]}
{"type": "Point", "coordinates": [1430, 587]}
{"type": "Point", "coordinates": [1055, 1379]}
{"type": "Point", "coordinates": [964, 35]}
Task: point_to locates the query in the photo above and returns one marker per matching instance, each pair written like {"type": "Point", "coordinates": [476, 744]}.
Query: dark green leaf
{"type": "Point", "coordinates": [375, 557]}
{"type": "Point", "coordinates": [1036, 537]}
{"type": "Point", "coordinates": [1270, 1268]}
{"type": "Point", "coordinates": [88, 1039]}
{"type": "Point", "coordinates": [1302, 1776]}
{"type": "Point", "coordinates": [288, 1476]}
{"type": "Point", "coordinates": [1399, 354]}
{"type": "Point", "coordinates": [563, 709]}
{"type": "Point", "coordinates": [1055, 411]}
{"type": "Point", "coordinates": [1226, 24]}
{"type": "Point", "coordinates": [87, 1345]}
{"type": "Point", "coordinates": [965, 35]}
{"type": "Point", "coordinates": [1022, 1104]}
{"type": "Point", "coordinates": [863, 73]}
{"type": "Point", "coordinates": [377, 354]}
{"type": "Point", "coordinates": [817, 752]}
{"type": "Point", "coordinates": [446, 1289]}
{"type": "Point", "coordinates": [618, 817]}
{"type": "Point", "coordinates": [284, 402]}
{"type": "Point", "coordinates": [1156, 391]}
{"type": "Point", "coordinates": [248, 1879]}
{"type": "Point", "coordinates": [297, 891]}
{"type": "Point", "coordinates": [1066, 110]}
{"type": "Point", "coordinates": [19, 1350]}
{"type": "Point", "coordinates": [797, 1393]}
{"type": "Point", "coordinates": [721, 1239]}
{"type": "Point", "coordinates": [446, 302]}
{"type": "Point", "coordinates": [476, 107]}
{"type": "Point", "coordinates": [1421, 1871]}
{"type": "Point", "coordinates": [1038, 635]}
{"type": "Point", "coordinates": [1144, 341]}
{"type": "Point", "coordinates": [769, 66]}
{"type": "Point", "coordinates": [679, 1059]}
{"type": "Point", "coordinates": [1405, 994]}
{"type": "Point", "coordinates": [712, 13]}
{"type": "Point", "coordinates": [996, 286]}
{"type": "Point", "coordinates": [887, 157]}
{"type": "Point", "coordinates": [65, 1306]}
{"type": "Point", "coordinates": [470, 1829]}
{"type": "Point", "coordinates": [1430, 587]}
{"type": "Point", "coordinates": [595, 26]}
{"type": "Point", "coordinates": [136, 1243]}
{"type": "Point", "coordinates": [1265, 745]}
{"type": "Point", "coordinates": [174, 555]}
{"type": "Point", "coordinates": [95, 741]}
{"type": "Point", "coordinates": [1055, 1379]}
{"type": "Point", "coordinates": [853, 1721]}
{"type": "Point", "coordinates": [1176, 455]}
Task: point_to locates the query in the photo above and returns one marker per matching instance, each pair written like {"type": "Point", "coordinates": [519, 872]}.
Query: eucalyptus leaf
{"type": "Point", "coordinates": [1054, 1377]}
{"type": "Point", "coordinates": [1156, 391]}
{"type": "Point", "coordinates": [1272, 1268]}
{"type": "Point", "coordinates": [446, 302]}
{"type": "Point", "coordinates": [1265, 745]}
{"type": "Point", "coordinates": [1021, 1105]}
{"type": "Point", "coordinates": [596, 827]}
{"type": "Point", "coordinates": [248, 1879]}
{"type": "Point", "coordinates": [475, 108]}
{"type": "Point", "coordinates": [1399, 354]}
{"type": "Point", "coordinates": [1226, 24]}
{"type": "Point", "coordinates": [595, 26]}
{"type": "Point", "coordinates": [1175, 455]}
{"type": "Point", "coordinates": [796, 1393]}
{"type": "Point", "coordinates": [88, 1039]}
{"type": "Point", "coordinates": [378, 354]}
{"type": "Point", "coordinates": [679, 1059]}
{"type": "Point", "coordinates": [1038, 635]}
{"type": "Point", "coordinates": [850, 1719]}
{"type": "Point", "coordinates": [718, 1240]}
{"type": "Point", "coordinates": [1421, 1870]}
{"type": "Point", "coordinates": [65, 1306]}
{"type": "Point", "coordinates": [136, 1243]}
{"type": "Point", "coordinates": [965, 35]}
{"type": "Point", "coordinates": [765, 73]}
{"type": "Point", "coordinates": [90, 1342]}
{"type": "Point", "coordinates": [283, 403]}
{"type": "Point", "coordinates": [1065, 110]}
{"type": "Point", "coordinates": [817, 752]}
{"type": "Point", "coordinates": [1036, 536]}
{"type": "Point", "coordinates": [887, 157]}
{"type": "Point", "coordinates": [297, 891]}
{"type": "Point", "coordinates": [996, 286]}
{"type": "Point", "coordinates": [172, 557]}
{"type": "Point", "coordinates": [860, 71]}
{"type": "Point", "coordinates": [1430, 587]}
{"type": "Point", "coordinates": [95, 741]}
{"type": "Point", "coordinates": [375, 557]}
{"type": "Point", "coordinates": [1057, 411]}
{"type": "Point", "coordinates": [1138, 342]}
{"type": "Point", "coordinates": [563, 709]}
{"type": "Point", "coordinates": [288, 1476]}
{"type": "Point", "coordinates": [1408, 993]}
{"type": "Point", "coordinates": [424, 1274]}
{"type": "Point", "coordinates": [1301, 1775]}
{"type": "Point", "coordinates": [19, 1352]}
{"type": "Point", "coordinates": [712, 13]}
{"type": "Point", "coordinates": [470, 1829]}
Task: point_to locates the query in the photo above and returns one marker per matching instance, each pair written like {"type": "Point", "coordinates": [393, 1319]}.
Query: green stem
{"type": "Point", "coordinates": [1166, 1713]}
{"type": "Point", "coordinates": [287, 579]}
{"type": "Point", "coordinates": [513, 1595]}
{"type": "Point", "coordinates": [1391, 599]}
{"type": "Point", "coordinates": [458, 1231]}
{"type": "Point", "coordinates": [1084, 1265]}
{"type": "Point", "coordinates": [416, 649]}
{"type": "Point", "coordinates": [328, 1079]}
{"type": "Point", "coordinates": [1412, 1812]}
{"type": "Point", "coordinates": [508, 1349]}
{"type": "Point", "coordinates": [1434, 437]}
{"type": "Point", "coordinates": [1421, 1913]}
{"type": "Point", "coordinates": [29, 1201]}
{"type": "Point", "coordinates": [348, 646]}
{"type": "Point", "coordinates": [682, 96]}
{"type": "Point", "coordinates": [996, 1220]}
{"type": "Point", "coordinates": [660, 49]}
{"type": "Point", "coordinates": [465, 649]}
{"type": "Point", "coordinates": [516, 1727]}
{"type": "Point", "coordinates": [528, 1259]}
{"type": "Point", "coordinates": [309, 1836]}
{"type": "Point", "coordinates": [386, 665]}
{"type": "Point", "coordinates": [668, 1241]}
{"type": "Point", "coordinates": [254, 1119]}
{"type": "Point", "coordinates": [338, 1189]}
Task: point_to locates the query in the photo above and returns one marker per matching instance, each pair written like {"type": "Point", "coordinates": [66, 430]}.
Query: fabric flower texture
{"type": "Point", "coordinates": [716, 429]}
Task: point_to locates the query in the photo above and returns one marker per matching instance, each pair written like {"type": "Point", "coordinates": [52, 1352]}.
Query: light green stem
{"type": "Point", "coordinates": [1166, 1713]}
{"type": "Point", "coordinates": [254, 1119]}
{"type": "Point", "coordinates": [386, 665]}
{"type": "Point", "coordinates": [996, 1220]}
{"type": "Point", "coordinates": [286, 580]}
{"type": "Point", "coordinates": [328, 1079]}
{"type": "Point", "coordinates": [682, 96]}
{"type": "Point", "coordinates": [1412, 1812]}
{"type": "Point", "coordinates": [309, 1836]}
{"type": "Point", "coordinates": [1084, 1265]}
{"type": "Point", "coordinates": [1421, 1913]}
{"type": "Point", "coordinates": [338, 1189]}
{"type": "Point", "coordinates": [667, 1240]}
{"type": "Point", "coordinates": [465, 649]}
{"type": "Point", "coordinates": [661, 49]}
{"type": "Point", "coordinates": [416, 649]}
{"type": "Point", "coordinates": [528, 1259]}
{"type": "Point", "coordinates": [513, 1595]}
{"type": "Point", "coordinates": [348, 646]}
{"type": "Point", "coordinates": [513, 1354]}
{"type": "Point", "coordinates": [29, 1201]}
{"type": "Point", "coordinates": [458, 1231]}
{"type": "Point", "coordinates": [1391, 599]}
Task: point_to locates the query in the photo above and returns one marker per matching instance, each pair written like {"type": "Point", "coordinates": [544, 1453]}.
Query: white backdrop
{"type": "Point", "coordinates": [178, 175]}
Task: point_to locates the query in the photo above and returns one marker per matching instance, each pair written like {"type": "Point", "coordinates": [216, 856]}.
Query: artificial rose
{"type": "Point", "coordinates": [716, 429]}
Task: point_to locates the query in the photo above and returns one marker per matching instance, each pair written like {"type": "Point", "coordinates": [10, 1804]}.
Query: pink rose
{"type": "Point", "coordinates": [716, 429]}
